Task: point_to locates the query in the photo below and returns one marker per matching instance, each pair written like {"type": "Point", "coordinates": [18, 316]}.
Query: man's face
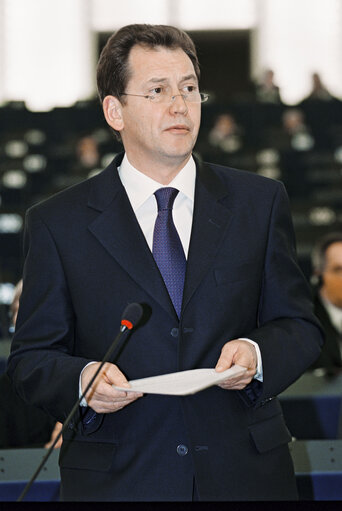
{"type": "Point", "coordinates": [159, 133]}
{"type": "Point", "coordinates": [332, 274]}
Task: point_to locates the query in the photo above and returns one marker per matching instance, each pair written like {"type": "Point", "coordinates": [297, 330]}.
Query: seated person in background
{"type": "Point", "coordinates": [84, 161]}
{"type": "Point", "coordinates": [327, 271]}
{"type": "Point", "coordinates": [292, 135]}
{"type": "Point", "coordinates": [226, 134]}
{"type": "Point", "coordinates": [318, 91]}
{"type": "Point", "coordinates": [87, 156]}
{"type": "Point", "coordinates": [22, 425]}
{"type": "Point", "coordinates": [296, 129]}
{"type": "Point", "coordinates": [266, 91]}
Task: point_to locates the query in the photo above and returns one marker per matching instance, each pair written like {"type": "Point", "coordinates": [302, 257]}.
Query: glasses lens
{"type": "Point", "coordinates": [190, 97]}
{"type": "Point", "coordinates": [195, 97]}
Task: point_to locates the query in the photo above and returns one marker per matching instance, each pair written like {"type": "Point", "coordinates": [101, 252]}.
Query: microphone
{"type": "Point", "coordinates": [131, 315]}
{"type": "Point", "coordinates": [130, 319]}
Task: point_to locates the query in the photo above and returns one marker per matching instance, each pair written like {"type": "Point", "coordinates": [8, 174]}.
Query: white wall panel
{"type": "Point", "coordinates": [187, 14]}
{"type": "Point", "coordinates": [48, 52]}
{"type": "Point", "coordinates": [109, 15]}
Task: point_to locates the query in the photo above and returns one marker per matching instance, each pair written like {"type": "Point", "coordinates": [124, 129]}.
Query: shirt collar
{"type": "Point", "coordinates": [140, 187]}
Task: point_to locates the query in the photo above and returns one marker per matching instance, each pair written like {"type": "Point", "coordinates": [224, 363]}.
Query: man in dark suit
{"type": "Point", "coordinates": [327, 271]}
{"type": "Point", "coordinates": [95, 248]}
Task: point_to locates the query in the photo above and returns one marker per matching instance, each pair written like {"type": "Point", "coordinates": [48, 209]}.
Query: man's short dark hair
{"type": "Point", "coordinates": [113, 70]}
{"type": "Point", "coordinates": [319, 251]}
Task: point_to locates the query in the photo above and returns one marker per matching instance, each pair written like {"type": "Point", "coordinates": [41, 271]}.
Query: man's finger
{"type": "Point", "coordinates": [226, 359]}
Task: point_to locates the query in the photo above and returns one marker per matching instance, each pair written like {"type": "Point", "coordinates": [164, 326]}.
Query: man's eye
{"type": "Point", "coordinates": [190, 88]}
{"type": "Point", "coordinates": [157, 90]}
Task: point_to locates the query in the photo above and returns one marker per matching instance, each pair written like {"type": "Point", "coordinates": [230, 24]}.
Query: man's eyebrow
{"type": "Point", "coordinates": [156, 80]}
{"type": "Point", "coordinates": [163, 80]}
{"type": "Point", "coordinates": [189, 77]}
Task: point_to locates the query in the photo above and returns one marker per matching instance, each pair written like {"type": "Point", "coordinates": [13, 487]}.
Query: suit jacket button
{"type": "Point", "coordinates": [182, 450]}
{"type": "Point", "coordinates": [174, 332]}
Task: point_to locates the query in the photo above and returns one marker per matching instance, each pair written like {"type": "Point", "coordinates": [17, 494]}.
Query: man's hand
{"type": "Point", "coordinates": [102, 397]}
{"type": "Point", "coordinates": [55, 432]}
{"type": "Point", "coordinates": [241, 353]}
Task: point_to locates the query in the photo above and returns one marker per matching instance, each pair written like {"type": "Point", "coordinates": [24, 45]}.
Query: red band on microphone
{"type": "Point", "coordinates": [127, 323]}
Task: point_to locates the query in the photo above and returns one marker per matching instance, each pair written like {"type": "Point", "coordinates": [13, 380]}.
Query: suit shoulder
{"type": "Point", "coordinates": [70, 199]}
{"type": "Point", "coordinates": [245, 179]}
{"type": "Point", "coordinates": [68, 196]}
{"type": "Point", "coordinates": [241, 174]}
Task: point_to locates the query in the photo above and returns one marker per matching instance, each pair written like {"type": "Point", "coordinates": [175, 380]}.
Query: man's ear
{"type": "Point", "coordinates": [112, 110]}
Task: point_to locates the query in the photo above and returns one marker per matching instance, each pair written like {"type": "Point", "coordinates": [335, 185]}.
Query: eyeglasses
{"type": "Point", "coordinates": [161, 95]}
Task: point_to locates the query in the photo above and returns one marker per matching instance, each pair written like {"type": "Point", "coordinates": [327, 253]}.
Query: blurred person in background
{"type": "Point", "coordinates": [87, 156]}
{"type": "Point", "coordinates": [319, 91]}
{"type": "Point", "coordinates": [266, 90]}
{"type": "Point", "coordinates": [297, 134]}
{"type": "Point", "coordinates": [226, 135]}
{"type": "Point", "coordinates": [290, 134]}
{"type": "Point", "coordinates": [327, 279]}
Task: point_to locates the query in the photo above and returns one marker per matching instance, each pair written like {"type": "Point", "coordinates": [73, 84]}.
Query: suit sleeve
{"type": "Point", "coordinates": [41, 364]}
{"type": "Point", "coordinates": [288, 333]}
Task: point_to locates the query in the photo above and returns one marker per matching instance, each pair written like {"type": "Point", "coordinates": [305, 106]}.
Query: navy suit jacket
{"type": "Point", "coordinates": [86, 259]}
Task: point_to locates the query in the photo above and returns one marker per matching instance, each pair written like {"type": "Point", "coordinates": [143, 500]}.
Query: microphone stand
{"type": "Point", "coordinates": [125, 326]}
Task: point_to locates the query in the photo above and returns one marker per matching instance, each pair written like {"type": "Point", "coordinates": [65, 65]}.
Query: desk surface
{"type": "Point", "coordinates": [21, 464]}
{"type": "Point", "coordinates": [5, 348]}
{"type": "Point", "coordinates": [311, 385]}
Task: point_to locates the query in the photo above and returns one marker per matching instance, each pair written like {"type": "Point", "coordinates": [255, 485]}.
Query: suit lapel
{"type": "Point", "coordinates": [211, 220]}
{"type": "Point", "coordinates": [118, 231]}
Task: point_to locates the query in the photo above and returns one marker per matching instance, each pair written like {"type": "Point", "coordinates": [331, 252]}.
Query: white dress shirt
{"type": "Point", "coordinates": [140, 190]}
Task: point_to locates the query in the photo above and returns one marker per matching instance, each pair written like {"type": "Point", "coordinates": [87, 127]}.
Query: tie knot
{"type": "Point", "coordinates": [165, 197]}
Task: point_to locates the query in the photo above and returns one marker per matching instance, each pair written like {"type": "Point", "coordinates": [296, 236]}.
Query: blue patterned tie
{"type": "Point", "coordinates": [167, 247]}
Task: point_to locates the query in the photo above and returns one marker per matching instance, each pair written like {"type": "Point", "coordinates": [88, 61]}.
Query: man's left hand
{"type": "Point", "coordinates": [237, 352]}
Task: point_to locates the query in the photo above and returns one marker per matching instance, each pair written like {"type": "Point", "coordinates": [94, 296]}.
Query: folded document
{"type": "Point", "coordinates": [183, 382]}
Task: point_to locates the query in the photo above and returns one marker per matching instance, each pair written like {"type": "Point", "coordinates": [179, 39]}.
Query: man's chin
{"type": "Point", "coordinates": [178, 151]}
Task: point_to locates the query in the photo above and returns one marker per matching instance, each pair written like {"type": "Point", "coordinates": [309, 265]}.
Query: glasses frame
{"type": "Point", "coordinates": [204, 97]}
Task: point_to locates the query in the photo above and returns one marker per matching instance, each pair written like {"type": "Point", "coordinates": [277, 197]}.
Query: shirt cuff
{"type": "Point", "coordinates": [259, 374]}
{"type": "Point", "coordinates": [83, 402]}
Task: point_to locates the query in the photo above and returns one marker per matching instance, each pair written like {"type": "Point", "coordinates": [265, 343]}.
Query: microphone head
{"type": "Point", "coordinates": [132, 315]}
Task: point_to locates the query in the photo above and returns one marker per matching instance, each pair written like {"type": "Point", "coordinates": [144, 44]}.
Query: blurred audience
{"type": "Point", "coordinates": [266, 91]}
{"type": "Point", "coordinates": [327, 280]}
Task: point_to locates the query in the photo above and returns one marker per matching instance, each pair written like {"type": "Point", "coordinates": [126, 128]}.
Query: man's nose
{"type": "Point", "coordinates": [178, 104]}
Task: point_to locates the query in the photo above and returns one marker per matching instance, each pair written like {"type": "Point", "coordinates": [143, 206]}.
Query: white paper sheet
{"type": "Point", "coordinates": [183, 382]}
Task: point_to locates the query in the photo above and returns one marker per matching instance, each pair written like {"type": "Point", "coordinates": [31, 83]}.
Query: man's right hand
{"type": "Point", "coordinates": [101, 396]}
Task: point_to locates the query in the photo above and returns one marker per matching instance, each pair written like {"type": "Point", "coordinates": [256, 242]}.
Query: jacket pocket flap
{"type": "Point", "coordinates": [87, 455]}
{"type": "Point", "coordinates": [270, 433]}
